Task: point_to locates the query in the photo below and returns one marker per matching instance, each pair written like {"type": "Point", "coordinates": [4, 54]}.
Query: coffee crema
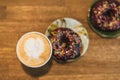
{"type": "Point", "coordinates": [34, 49]}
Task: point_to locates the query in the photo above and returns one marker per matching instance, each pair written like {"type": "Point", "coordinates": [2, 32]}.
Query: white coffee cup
{"type": "Point", "coordinates": [34, 49]}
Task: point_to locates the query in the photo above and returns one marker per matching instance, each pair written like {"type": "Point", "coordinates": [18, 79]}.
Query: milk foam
{"type": "Point", "coordinates": [34, 47]}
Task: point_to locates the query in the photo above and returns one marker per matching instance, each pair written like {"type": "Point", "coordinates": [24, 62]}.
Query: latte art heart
{"type": "Point", "coordinates": [34, 47]}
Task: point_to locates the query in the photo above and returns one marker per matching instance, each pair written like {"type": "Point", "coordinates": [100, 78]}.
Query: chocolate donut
{"type": "Point", "coordinates": [66, 44]}
{"type": "Point", "coordinates": [105, 15]}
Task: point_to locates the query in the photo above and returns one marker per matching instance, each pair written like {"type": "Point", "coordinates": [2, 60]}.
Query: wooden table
{"type": "Point", "coordinates": [101, 61]}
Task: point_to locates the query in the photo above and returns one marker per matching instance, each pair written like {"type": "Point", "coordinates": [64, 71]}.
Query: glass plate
{"type": "Point", "coordinates": [100, 32]}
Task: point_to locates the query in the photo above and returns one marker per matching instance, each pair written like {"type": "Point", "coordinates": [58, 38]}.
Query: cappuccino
{"type": "Point", "coordinates": [34, 49]}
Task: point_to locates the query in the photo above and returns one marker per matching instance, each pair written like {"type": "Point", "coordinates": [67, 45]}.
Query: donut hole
{"type": "Point", "coordinates": [109, 13]}
{"type": "Point", "coordinates": [65, 42]}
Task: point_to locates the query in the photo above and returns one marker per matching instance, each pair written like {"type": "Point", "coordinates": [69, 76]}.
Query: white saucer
{"type": "Point", "coordinates": [74, 25]}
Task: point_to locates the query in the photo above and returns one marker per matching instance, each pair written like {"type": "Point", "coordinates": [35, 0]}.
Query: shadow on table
{"type": "Point", "coordinates": [37, 72]}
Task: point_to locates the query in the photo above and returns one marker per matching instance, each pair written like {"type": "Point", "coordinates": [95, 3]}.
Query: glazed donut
{"type": "Point", "coordinates": [66, 44]}
{"type": "Point", "coordinates": [105, 15]}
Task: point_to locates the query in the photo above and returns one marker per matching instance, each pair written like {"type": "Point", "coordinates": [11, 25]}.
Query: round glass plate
{"type": "Point", "coordinates": [74, 25]}
{"type": "Point", "coordinates": [111, 34]}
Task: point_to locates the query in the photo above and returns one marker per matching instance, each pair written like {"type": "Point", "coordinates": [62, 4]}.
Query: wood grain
{"type": "Point", "coordinates": [101, 62]}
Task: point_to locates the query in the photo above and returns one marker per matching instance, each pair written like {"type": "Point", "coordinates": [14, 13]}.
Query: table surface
{"type": "Point", "coordinates": [101, 61]}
